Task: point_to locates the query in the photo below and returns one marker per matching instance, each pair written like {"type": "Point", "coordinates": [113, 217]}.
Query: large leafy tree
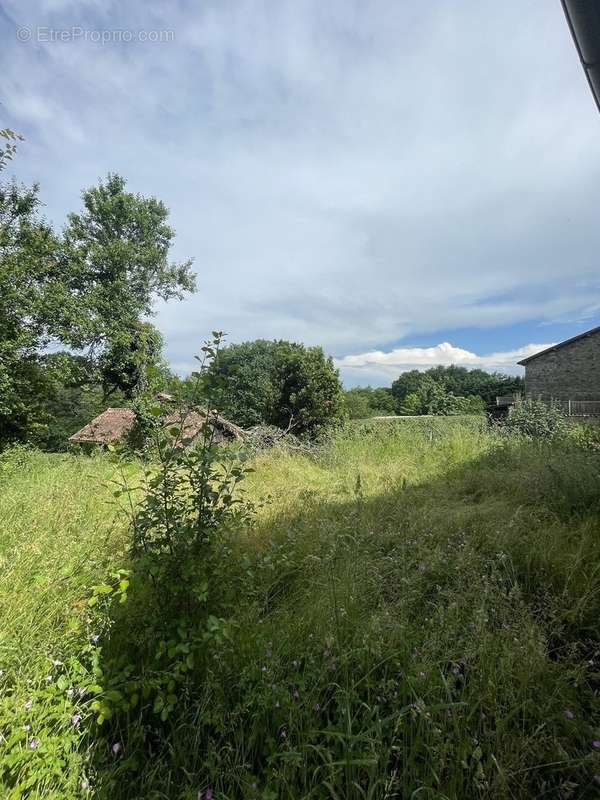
{"type": "Point", "coordinates": [278, 382]}
{"type": "Point", "coordinates": [89, 289]}
{"type": "Point", "coordinates": [117, 252]}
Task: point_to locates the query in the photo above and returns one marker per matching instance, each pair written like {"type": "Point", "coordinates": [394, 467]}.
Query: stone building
{"type": "Point", "coordinates": [569, 370]}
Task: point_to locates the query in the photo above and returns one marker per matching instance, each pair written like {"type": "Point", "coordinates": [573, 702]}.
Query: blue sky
{"type": "Point", "coordinates": [403, 183]}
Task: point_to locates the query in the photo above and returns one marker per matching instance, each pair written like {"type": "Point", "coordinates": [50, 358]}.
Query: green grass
{"type": "Point", "coordinates": [417, 615]}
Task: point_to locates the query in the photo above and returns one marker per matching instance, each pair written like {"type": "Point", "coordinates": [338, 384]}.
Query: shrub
{"type": "Point", "coordinates": [171, 603]}
{"type": "Point", "coordinates": [537, 420]}
{"type": "Point", "coordinates": [272, 383]}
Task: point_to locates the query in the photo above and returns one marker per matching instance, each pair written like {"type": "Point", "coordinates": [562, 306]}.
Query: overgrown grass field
{"type": "Point", "coordinates": [417, 613]}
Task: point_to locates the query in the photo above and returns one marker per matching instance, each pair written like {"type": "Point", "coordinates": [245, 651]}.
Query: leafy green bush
{"type": "Point", "coordinates": [273, 383]}
{"type": "Point", "coordinates": [173, 595]}
{"type": "Point", "coordinates": [537, 420]}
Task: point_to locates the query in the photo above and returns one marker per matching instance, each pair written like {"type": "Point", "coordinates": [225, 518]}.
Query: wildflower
{"type": "Point", "coordinates": [84, 785]}
{"type": "Point", "coordinates": [75, 720]}
{"type": "Point", "coordinates": [263, 668]}
{"type": "Point", "coordinates": [456, 669]}
{"type": "Point", "coordinates": [27, 704]}
{"type": "Point", "coordinates": [569, 714]}
{"type": "Point", "coordinates": [422, 675]}
{"type": "Point", "coordinates": [70, 692]}
{"type": "Point", "coordinates": [296, 694]}
{"type": "Point", "coordinates": [56, 662]}
{"type": "Point", "coordinates": [317, 707]}
{"type": "Point", "coordinates": [26, 728]}
{"type": "Point", "coordinates": [208, 794]}
{"type": "Point", "coordinates": [34, 744]}
{"type": "Point", "coordinates": [116, 748]}
{"type": "Point", "coordinates": [94, 637]}
{"type": "Point", "coordinates": [48, 678]}
{"type": "Point", "coordinates": [596, 744]}
{"type": "Point", "coordinates": [283, 734]}
{"type": "Point", "coordinates": [81, 692]}
{"type": "Point", "coordinates": [295, 664]}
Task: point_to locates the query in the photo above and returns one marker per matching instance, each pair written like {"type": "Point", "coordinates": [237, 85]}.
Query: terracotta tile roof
{"type": "Point", "coordinates": [109, 427]}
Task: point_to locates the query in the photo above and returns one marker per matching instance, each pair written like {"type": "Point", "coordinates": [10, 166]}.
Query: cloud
{"type": "Point", "coordinates": [345, 174]}
{"type": "Point", "coordinates": [381, 367]}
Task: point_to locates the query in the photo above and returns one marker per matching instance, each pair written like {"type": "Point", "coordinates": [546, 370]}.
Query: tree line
{"type": "Point", "coordinates": [438, 390]}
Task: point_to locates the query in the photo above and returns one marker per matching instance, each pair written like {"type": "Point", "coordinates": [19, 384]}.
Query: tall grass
{"type": "Point", "coordinates": [417, 616]}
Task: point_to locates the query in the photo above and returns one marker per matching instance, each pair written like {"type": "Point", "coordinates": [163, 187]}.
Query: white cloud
{"type": "Point", "coordinates": [379, 367]}
{"type": "Point", "coordinates": [345, 174]}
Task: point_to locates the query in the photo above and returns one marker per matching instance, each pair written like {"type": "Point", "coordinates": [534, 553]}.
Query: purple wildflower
{"type": "Point", "coordinates": [569, 714]}
{"type": "Point", "coordinates": [34, 744]}
{"type": "Point", "coordinates": [116, 748]}
{"type": "Point", "coordinates": [75, 720]}
{"type": "Point", "coordinates": [84, 785]}
{"type": "Point", "coordinates": [208, 794]}
{"type": "Point", "coordinates": [596, 744]}
{"type": "Point", "coordinates": [317, 707]}
{"type": "Point", "coordinates": [94, 637]}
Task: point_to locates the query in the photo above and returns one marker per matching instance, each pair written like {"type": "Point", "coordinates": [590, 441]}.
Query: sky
{"type": "Point", "coordinates": [404, 183]}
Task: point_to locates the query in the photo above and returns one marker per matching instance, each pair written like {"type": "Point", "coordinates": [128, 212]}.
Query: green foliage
{"type": "Point", "coordinates": [458, 381]}
{"type": "Point", "coordinates": [181, 541]}
{"type": "Point", "coordinates": [89, 288]}
{"type": "Point", "coordinates": [117, 250]}
{"type": "Point", "coordinates": [431, 397]}
{"type": "Point", "coordinates": [131, 360]}
{"type": "Point", "coordinates": [537, 419]}
{"type": "Point", "coordinates": [362, 402]}
{"type": "Point", "coordinates": [9, 148]}
{"type": "Point", "coordinates": [278, 383]}
{"type": "Point", "coordinates": [32, 308]}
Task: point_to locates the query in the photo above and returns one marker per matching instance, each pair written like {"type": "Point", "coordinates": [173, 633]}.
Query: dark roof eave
{"type": "Point", "coordinates": [583, 19]}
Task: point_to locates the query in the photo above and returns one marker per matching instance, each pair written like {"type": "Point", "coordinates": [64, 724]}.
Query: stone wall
{"type": "Point", "coordinates": [570, 373]}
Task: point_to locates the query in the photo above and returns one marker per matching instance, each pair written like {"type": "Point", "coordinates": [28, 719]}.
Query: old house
{"type": "Point", "coordinates": [568, 371]}
{"type": "Point", "coordinates": [117, 425]}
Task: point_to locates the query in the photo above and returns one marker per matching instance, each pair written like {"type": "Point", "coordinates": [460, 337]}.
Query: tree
{"type": "Point", "coordinates": [117, 254]}
{"type": "Point", "coordinates": [32, 305]}
{"type": "Point", "coordinates": [273, 382]}
{"type": "Point", "coordinates": [458, 381]}
{"type": "Point", "coordinates": [364, 401]}
{"type": "Point", "coordinates": [132, 356]}
{"type": "Point", "coordinates": [308, 388]}
{"type": "Point", "coordinates": [89, 289]}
